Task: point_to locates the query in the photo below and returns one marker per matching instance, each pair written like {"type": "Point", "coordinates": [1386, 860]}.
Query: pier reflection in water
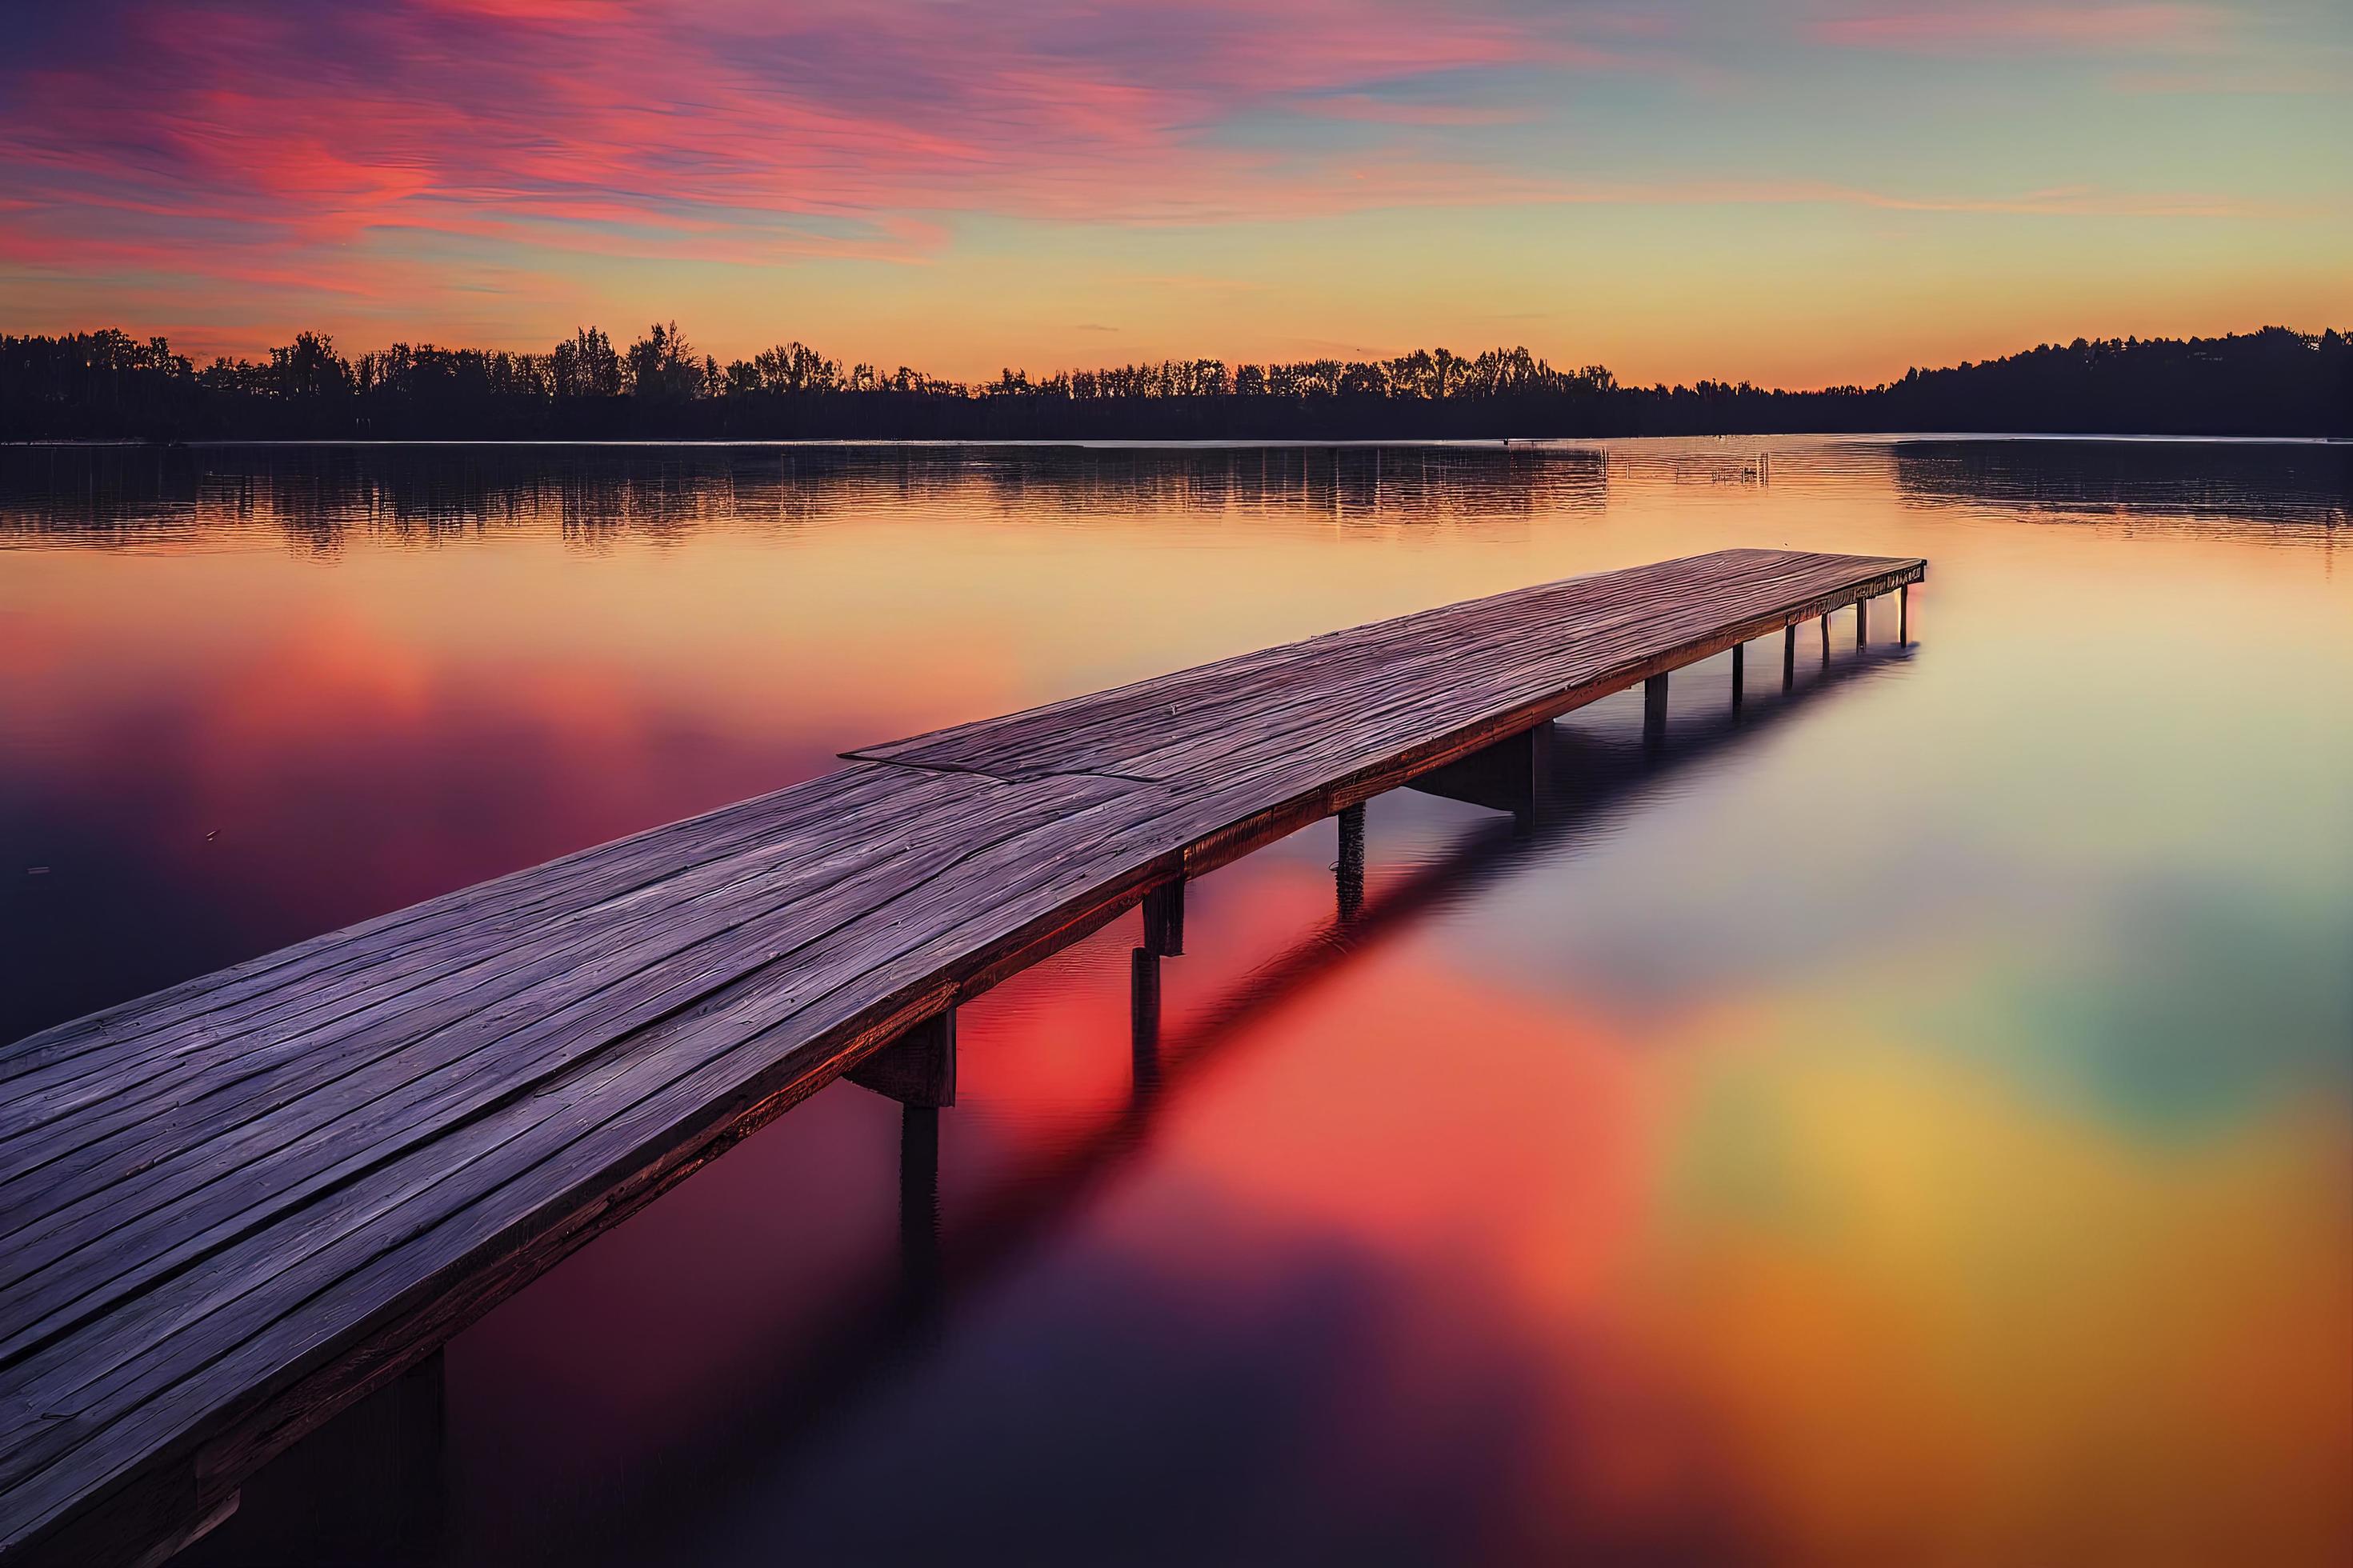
{"type": "Point", "coordinates": [369, 1488]}
{"type": "Point", "coordinates": [1917, 1126]}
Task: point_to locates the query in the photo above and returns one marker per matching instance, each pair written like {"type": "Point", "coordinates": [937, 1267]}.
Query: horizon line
{"type": "Point", "coordinates": [1034, 381]}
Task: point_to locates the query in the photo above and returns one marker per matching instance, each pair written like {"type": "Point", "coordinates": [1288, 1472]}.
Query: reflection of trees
{"type": "Point", "coordinates": [2210, 485]}
{"type": "Point", "coordinates": [317, 496]}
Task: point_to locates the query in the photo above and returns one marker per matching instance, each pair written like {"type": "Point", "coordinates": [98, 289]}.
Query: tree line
{"type": "Point", "coordinates": [106, 384]}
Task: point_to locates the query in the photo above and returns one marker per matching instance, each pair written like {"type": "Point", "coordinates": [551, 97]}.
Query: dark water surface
{"type": "Point", "coordinates": [1911, 1122]}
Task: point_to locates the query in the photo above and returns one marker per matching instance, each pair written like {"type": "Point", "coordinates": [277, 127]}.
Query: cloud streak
{"type": "Point", "coordinates": [325, 121]}
{"type": "Point", "coordinates": [436, 154]}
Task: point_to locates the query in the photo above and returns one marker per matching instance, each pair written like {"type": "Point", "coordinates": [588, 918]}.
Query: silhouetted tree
{"type": "Point", "coordinates": [585, 366]}
{"type": "Point", "coordinates": [662, 368]}
{"type": "Point", "coordinates": [309, 370]}
{"type": "Point", "coordinates": [795, 368]}
{"type": "Point", "coordinates": [2272, 381]}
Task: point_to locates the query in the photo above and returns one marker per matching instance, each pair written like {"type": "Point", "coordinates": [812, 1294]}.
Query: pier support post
{"type": "Point", "coordinates": [1654, 711]}
{"type": "Point", "coordinates": [1144, 1023]}
{"type": "Point", "coordinates": [1861, 622]}
{"type": "Point", "coordinates": [918, 1069]}
{"type": "Point", "coordinates": [1903, 615]}
{"type": "Point", "coordinates": [1164, 919]}
{"type": "Point", "coordinates": [1826, 636]}
{"type": "Point", "coordinates": [1739, 669]}
{"type": "Point", "coordinates": [919, 1210]}
{"type": "Point", "coordinates": [1351, 865]}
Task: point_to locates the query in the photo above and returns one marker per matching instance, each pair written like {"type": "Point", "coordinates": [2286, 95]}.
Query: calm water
{"type": "Point", "coordinates": [1911, 1123]}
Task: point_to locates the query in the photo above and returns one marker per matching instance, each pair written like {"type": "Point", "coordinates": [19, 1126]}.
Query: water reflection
{"type": "Point", "coordinates": [317, 498]}
{"type": "Point", "coordinates": [1591, 779]}
{"type": "Point", "coordinates": [2214, 486]}
{"type": "Point", "coordinates": [1911, 1122]}
{"type": "Point", "coordinates": [368, 1489]}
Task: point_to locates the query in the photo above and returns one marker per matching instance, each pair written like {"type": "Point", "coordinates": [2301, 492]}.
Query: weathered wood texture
{"type": "Point", "coordinates": [231, 1208]}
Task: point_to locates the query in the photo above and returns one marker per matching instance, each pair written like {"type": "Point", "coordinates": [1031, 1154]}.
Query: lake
{"type": "Point", "coordinates": [1909, 1119]}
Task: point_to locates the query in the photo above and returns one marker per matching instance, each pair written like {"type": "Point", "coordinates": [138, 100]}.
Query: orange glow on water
{"type": "Point", "coordinates": [1909, 1125]}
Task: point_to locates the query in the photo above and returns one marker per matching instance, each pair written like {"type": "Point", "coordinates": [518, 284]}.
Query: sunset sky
{"type": "Point", "coordinates": [1793, 191]}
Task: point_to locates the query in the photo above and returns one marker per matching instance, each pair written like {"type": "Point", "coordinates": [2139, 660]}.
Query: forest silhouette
{"type": "Point", "coordinates": [108, 385]}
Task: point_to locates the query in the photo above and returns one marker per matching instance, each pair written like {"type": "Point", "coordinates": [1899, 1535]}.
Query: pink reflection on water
{"type": "Point", "coordinates": [1913, 1126]}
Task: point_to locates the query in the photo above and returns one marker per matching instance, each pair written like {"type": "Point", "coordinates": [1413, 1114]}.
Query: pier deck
{"type": "Point", "coordinates": [231, 1209]}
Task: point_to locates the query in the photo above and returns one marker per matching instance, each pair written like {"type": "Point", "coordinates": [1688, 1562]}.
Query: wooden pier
{"type": "Point", "coordinates": [231, 1209]}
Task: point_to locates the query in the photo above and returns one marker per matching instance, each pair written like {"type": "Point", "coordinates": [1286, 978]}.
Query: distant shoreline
{"type": "Point", "coordinates": [2270, 384]}
{"type": "Point", "coordinates": [1144, 444]}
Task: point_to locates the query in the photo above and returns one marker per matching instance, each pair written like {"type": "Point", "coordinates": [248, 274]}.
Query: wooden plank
{"type": "Point", "coordinates": [512, 1169]}
{"type": "Point", "coordinates": [231, 1209]}
{"type": "Point", "coordinates": [1162, 728]}
{"type": "Point", "coordinates": [191, 1016]}
{"type": "Point", "coordinates": [231, 1183]}
{"type": "Point", "coordinates": [212, 1088]}
{"type": "Point", "coordinates": [1389, 739]}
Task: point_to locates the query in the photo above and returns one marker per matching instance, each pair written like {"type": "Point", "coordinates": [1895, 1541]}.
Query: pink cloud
{"type": "Point", "coordinates": [725, 123]}
{"type": "Point", "coordinates": [431, 165]}
{"type": "Point", "coordinates": [442, 159]}
{"type": "Point", "coordinates": [329, 150]}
